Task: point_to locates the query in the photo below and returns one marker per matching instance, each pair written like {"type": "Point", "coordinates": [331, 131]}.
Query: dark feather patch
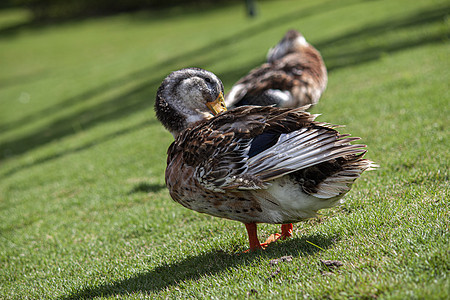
{"type": "Point", "coordinates": [311, 177]}
{"type": "Point", "coordinates": [263, 142]}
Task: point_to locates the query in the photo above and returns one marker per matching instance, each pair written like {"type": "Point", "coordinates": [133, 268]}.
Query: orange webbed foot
{"type": "Point", "coordinates": [286, 231]}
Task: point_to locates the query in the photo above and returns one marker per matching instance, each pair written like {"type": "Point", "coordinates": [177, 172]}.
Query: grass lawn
{"type": "Point", "coordinates": [83, 206]}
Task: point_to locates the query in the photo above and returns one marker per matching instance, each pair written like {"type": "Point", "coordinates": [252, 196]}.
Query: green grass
{"type": "Point", "coordinates": [83, 207]}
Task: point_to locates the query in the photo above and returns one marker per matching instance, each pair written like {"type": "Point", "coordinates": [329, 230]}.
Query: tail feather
{"type": "Point", "coordinates": [341, 182]}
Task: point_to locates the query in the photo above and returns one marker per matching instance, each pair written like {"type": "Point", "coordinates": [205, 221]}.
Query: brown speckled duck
{"type": "Point", "coordinates": [294, 75]}
{"type": "Point", "coordinates": [251, 164]}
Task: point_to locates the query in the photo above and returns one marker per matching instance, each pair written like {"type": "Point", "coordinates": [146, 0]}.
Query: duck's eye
{"type": "Point", "coordinates": [208, 80]}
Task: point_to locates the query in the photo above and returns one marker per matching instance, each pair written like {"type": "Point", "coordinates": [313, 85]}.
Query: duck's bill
{"type": "Point", "coordinates": [217, 106]}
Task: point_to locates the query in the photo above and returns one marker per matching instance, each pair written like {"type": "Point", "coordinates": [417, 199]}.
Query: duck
{"type": "Point", "coordinates": [294, 75]}
{"type": "Point", "coordinates": [251, 164]}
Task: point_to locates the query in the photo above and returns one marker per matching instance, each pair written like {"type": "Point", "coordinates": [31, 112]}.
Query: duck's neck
{"type": "Point", "coordinates": [188, 120]}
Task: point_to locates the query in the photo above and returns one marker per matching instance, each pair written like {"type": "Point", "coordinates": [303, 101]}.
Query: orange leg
{"type": "Point", "coordinates": [253, 236]}
{"type": "Point", "coordinates": [286, 230]}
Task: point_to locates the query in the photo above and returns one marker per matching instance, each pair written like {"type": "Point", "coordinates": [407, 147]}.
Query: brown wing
{"type": "Point", "coordinates": [249, 146]}
{"type": "Point", "coordinates": [219, 148]}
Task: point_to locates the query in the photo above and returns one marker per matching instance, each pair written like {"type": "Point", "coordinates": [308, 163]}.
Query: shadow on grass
{"type": "Point", "coordinates": [144, 187]}
{"type": "Point", "coordinates": [140, 14]}
{"type": "Point", "coordinates": [105, 138]}
{"type": "Point", "coordinates": [113, 109]}
{"type": "Point", "coordinates": [196, 267]}
{"type": "Point", "coordinates": [355, 56]}
{"type": "Point", "coordinates": [20, 80]}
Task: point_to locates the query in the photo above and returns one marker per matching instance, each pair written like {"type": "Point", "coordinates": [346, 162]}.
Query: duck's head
{"type": "Point", "coordinates": [187, 96]}
{"type": "Point", "coordinates": [292, 41]}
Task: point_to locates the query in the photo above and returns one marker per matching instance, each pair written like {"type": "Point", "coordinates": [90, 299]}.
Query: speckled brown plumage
{"type": "Point", "coordinates": [295, 75]}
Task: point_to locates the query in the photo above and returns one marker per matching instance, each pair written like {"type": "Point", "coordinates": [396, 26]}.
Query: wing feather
{"type": "Point", "coordinates": [219, 148]}
{"type": "Point", "coordinates": [302, 149]}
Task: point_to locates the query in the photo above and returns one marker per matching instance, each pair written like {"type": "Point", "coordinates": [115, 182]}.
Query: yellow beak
{"type": "Point", "coordinates": [217, 106]}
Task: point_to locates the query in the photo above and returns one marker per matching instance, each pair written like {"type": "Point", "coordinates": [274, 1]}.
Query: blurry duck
{"type": "Point", "coordinates": [252, 164]}
{"type": "Point", "coordinates": [294, 75]}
